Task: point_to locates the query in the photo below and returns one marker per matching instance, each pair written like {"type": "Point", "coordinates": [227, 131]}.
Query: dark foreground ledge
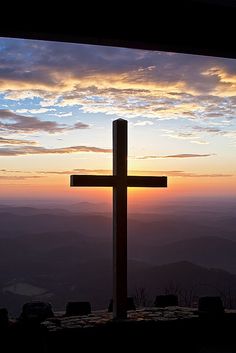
{"type": "Point", "coordinates": [102, 318]}
{"type": "Point", "coordinates": [171, 329]}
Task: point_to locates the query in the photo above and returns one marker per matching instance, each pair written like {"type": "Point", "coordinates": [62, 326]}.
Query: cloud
{"type": "Point", "coordinates": [80, 125]}
{"type": "Point", "coordinates": [181, 135]}
{"type": "Point", "coordinates": [62, 115]}
{"type": "Point", "coordinates": [9, 141]}
{"type": "Point", "coordinates": [42, 111]}
{"type": "Point", "coordinates": [34, 111]}
{"type": "Point", "coordinates": [19, 177]}
{"type": "Point", "coordinates": [193, 136]}
{"type": "Point", "coordinates": [195, 175]}
{"type": "Point", "coordinates": [223, 128]}
{"type": "Point", "coordinates": [170, 173]}
{"type": "Point", "coordinates": [216, 131]}
{"type": "Point", "coordinates": [14, 93]}
{"type": "Point", "coordinates": [125, 82]}
{"type": "Point", "coordinates": [180, 173]}
{"type": "Point", "coordinates": [31, 150]}
{"type": "Point", "coordinates": [128, 102]}
{"type": "Point", "coordinates": [21, 123]}
{"type": "Point", "coordinates": [207, 129]}
{"type": "Point", "coordinates": [27, 124]}
{"type": "Point", "coordinates": [213, 115]}
{"type": "Point", "coordinates": [13, 171]}
{"type": "Point", "coordinates": [143, 123]}
{"type": "Point", "coordinates": [181, 155]}
{"type": "Point", "coordinates": [79, 171]}
{"type": "Point", "coordinates": [200, 142]}
{"type": "Point", "coordinates": [47, 101]}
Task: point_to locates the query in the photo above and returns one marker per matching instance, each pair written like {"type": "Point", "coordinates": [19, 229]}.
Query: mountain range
{"type": "Point", "coordinates": [68, 254]}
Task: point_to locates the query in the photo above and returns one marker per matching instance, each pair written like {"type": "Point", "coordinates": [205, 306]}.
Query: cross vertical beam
{"type": "Point", "coordinates": [120, 219]}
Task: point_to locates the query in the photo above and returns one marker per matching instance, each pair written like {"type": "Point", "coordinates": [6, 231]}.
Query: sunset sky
{"type": "Point", "coordinates": [58, 101]}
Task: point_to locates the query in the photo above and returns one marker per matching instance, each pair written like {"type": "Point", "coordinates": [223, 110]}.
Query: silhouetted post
{"type": "Point", "coordinates": [119, 181]}
{"type": "Point", "coordinates": [120, 218]}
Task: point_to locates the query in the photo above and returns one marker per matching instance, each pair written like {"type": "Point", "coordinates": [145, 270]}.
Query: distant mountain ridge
{"type": "Point", "coordinates": [205, 251]}
{"type": "Point", "coordinates": [186, 276]}
{"type": "Point", "coordinates": [94, 283]}
{"type": "Point", "coordinates": [69, 254]}
{"type": "Point", "coordinates": [156, 239]}
{"type": "Point", "coordinates": [143, 229]}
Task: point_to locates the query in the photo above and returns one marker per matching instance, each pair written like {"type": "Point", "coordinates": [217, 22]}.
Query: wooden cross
{"type": "Point", "coordinates": [119, 181]}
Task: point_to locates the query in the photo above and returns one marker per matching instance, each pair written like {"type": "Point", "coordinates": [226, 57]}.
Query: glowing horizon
{"type": "Point", "coordinates": [58, 101]}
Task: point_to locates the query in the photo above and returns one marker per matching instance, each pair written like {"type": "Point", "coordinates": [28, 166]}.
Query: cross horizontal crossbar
{"type": "Point", "coordinates": [112, 180]}
{"type": "Point", "coordinates": [92, 180]}
{"type": "Point", "coordinates": [147, 181]}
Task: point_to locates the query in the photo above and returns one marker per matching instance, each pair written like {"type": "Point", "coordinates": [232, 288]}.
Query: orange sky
{"type": "Point", "coordinates": [58, 187]}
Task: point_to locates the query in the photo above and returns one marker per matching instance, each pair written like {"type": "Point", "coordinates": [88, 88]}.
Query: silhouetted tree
{"type": "Point", "coordinates": [187, 296]}
{"type": "Point", "coordinates": [141, 297]}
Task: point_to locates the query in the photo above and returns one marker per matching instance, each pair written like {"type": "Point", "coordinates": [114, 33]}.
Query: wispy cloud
{"type": "Point", "coordinates": [214, 130]}
{"type": "Point", "coordinates": [80, 125]}
{"type": "Point", "coordinates": [144, 123]}
{"type": "Point", "coordinates": [30, 150]}
{"type": "Point", "coordinates": [10, 141]}
{"type": "Point", "coordinates": [80, 171]}
{"type": "Point", "coordinates": [19, 177]}
{"type": "Point", "coordinates": [34, 111]}
{"type": "Point", "coordinates": [28, 124]}
{"type": "Point", "coordinates": [61, 115]}
{"type": "Point", "coordinates": [208, 129]}
{"type": "Point", "coordinates": [181, 155]}
{"type": "Point", "coordinates": [180, 135]}
{"type": "Point", "coordinates": [170, 173]}
{"type": "Point", "coordinates": [191, 136]}
{"type": "Point", "coordinates": [200, 142]}
{"type": "Point", "coordinates": [14, 171]}
{"type": "Point", "coordinates": [199, 134]}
